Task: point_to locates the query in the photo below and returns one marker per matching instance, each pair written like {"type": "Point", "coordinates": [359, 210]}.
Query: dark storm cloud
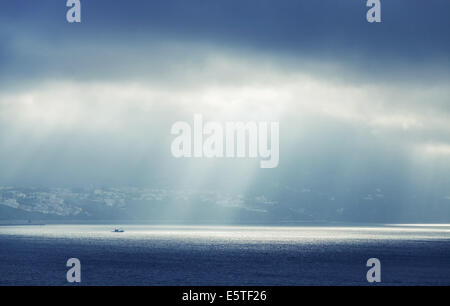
{"type": "Point", "coordinates": [413, 35]}
{"type": "Point", "coordinates": [418, 27]}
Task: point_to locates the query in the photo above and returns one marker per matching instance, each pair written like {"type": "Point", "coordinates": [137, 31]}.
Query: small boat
{"type": "Point", "coordinates": [118, 230]}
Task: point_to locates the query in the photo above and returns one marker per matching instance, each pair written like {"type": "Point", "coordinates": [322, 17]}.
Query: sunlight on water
{"type": "Point", "coordinates": [235, 234]}
{"type": "Point", "coordinates": [225, 255]}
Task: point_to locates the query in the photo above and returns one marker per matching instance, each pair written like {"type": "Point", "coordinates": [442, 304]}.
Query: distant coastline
{"type": "Point", "coordinates": [21, 224]}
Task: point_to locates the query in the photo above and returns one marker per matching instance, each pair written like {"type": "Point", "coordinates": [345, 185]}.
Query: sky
{"type": "Point", "coordinates": [364, 108]}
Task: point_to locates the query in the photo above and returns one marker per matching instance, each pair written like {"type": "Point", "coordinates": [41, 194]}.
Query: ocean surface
{"type": "Point", "coordinates": [211, 255]}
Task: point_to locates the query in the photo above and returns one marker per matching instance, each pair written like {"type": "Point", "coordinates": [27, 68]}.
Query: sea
{"type": "Point", "coordinates": [409, 254]}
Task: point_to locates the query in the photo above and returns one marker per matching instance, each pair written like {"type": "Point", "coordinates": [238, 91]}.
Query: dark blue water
{"type": "Point", "coordinates": [146, 255]}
